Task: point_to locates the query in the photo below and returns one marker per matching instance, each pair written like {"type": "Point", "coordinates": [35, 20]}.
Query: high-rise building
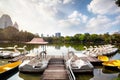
{"type": "Point", "coordinates": [5, 21]}
{"type": "Point", "coordinates": [42, 35]}
{"type": "Point", "coordinates": [58, 34]}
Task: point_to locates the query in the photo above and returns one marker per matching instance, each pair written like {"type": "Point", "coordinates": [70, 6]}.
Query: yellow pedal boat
{"type": "Point", "coordinates": [112, 63]}
{"type": "Point", "coordinates": [103, 58]}
{"type": "Point", "coordinates": [9, 66]}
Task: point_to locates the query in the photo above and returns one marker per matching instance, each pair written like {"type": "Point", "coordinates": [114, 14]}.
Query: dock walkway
{"type": "Point", "coordinates": [56, 70]}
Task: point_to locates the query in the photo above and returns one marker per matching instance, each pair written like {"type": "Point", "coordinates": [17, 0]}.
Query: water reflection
{"type": "Point", "coordinates": [108, 71]}
{"type": "Point", "coordinates": [30, 76]}
{"type": "Point", "coordinates": [11, 73]}
{"type": "Point", "coordinates": [3, 61]}
{"type": "Point", "coordinates": [57, 47]}
{"type": "Point", "coordinates": [83, 76]}
{"type": "Point", "coordinates": [99, 75]}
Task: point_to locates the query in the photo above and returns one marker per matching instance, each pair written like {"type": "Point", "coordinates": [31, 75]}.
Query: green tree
{"type": "Point", "coordinates": [116, 38]}
{"type": "Point", "coordinates": [1, 35]}
{"type": "Point", "coordinates": [107, 38]}
{"type": "Point", "coordinates": [10, 33]}
{"type": "Point", "coordinates": [67, 39]}
{"type": "Point", "coordinates": [82, 38]}
{"type": "Point", "coordinates": [118, 2]}
{"type": "Point", "coordinates": [25, 36]}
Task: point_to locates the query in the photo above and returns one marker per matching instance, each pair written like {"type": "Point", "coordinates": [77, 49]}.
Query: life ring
{"type": "Point", "coordinates": [43, 54]}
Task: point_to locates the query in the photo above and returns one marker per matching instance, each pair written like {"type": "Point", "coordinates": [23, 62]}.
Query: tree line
{"type": "Point", "coordinates": [11, 34]}
{"type": "Point", "coordinates": [86, 38]}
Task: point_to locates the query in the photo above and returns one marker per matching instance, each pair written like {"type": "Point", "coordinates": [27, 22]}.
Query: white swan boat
{"type": "Point", "coordinates": [35, 65]}
{"type": "Point", "coordinates": [100, 50]}
{"type": "Point", "coordinates": [33, 68]}
{"type": "Point", "coordinates": [79, 65]}
{"type": "Point", "coordinates": [10, 54]}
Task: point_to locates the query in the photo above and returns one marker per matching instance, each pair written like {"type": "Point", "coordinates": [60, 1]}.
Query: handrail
{"type": "Point", "coordinates": [71, 74]}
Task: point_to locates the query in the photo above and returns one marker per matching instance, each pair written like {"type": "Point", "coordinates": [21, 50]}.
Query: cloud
{"type": "Point", "coordinates": [97, 24]}
{"type": "Point", "coordinates": [50, 16]}
{"type": "Point", "coordinates": [31, 15]}
{"type": "Point", "coordinates": [78, 16]}
{"type": "Point", "coordinates": [103, 7]}
{"type": "Point", "coordinates": [66, 1]}
{"type": "Point", "coordinates": [73, 19]}
{"type": "Point", "coordinates": [53, 2]}
{"type": "Point", "coordinates": [116, 21]}
{"type": "Point", "coordinates": [101, 24]}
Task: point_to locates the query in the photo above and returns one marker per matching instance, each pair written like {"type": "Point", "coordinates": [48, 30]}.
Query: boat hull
{"type": "Point", "coordinates": [85, 68]}
{"type": "Point", "coordinates": [30, 69]}
{"type": "Point", "coordinates": [9, 73]}
{"type": "Point", "coordinates": [8, 69]}
{"type": "Point", "coordinates": [112, 65]}
{"type": "Point", "coordinates": [113, 68]}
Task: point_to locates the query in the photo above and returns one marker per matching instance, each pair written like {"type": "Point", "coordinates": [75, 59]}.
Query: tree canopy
{"type": "Point", "coordinates": [86, 38]}
{"type": "Point", "coordinates": [12, 34]}
{"type": "Point", "coordinates": [118, 2]}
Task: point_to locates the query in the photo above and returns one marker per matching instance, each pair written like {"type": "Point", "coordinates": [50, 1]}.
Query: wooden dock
{"type": "Point", "coordinates": [56, 70]}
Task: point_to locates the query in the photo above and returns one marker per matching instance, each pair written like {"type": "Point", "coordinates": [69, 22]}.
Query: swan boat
{"type": "Point", "coordinates": [36, 65]}
{"type": "Point", "coordinates": [11, 54]}
{"type": "Point", "coordinates": [100, 50]}
{"type": "Point", "coordinates": [78, 65]}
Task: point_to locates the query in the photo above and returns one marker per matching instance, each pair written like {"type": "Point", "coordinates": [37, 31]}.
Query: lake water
{"type": "Point", "coordinates": [99, 72]}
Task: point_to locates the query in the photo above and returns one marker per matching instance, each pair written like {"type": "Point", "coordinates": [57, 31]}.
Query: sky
{"type": "Point", "coordinates": [69, 17]}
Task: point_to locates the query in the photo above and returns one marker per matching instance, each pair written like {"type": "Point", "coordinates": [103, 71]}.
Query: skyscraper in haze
{"type": "Point", "coordinates": [58, 34]}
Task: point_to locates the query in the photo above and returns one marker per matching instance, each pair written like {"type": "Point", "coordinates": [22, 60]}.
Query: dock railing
{"type": "Point", "coordinates": [71, 74]}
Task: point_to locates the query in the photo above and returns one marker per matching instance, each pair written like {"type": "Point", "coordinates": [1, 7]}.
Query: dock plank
{"type": "Point", "coordinates": [56, 70]}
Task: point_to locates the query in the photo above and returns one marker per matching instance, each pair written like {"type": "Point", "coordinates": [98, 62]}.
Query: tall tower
{"type": "Point", "coordinates": [58, 34]}
{"type": "Point", "coordinates": [5, 21]}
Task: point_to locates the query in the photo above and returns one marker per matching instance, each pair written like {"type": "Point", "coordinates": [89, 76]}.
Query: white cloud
{"type": "Point", "coordinates": [36, 16]}
{"type": "Point", "coordinates": [66, 1]}
{"type": "Point", "coordinates": [53, 2]}
{"type": "Point", "coordinates": [77, 16]}
{"type": "Point", "coordinates": [103, 7]}
{"type": "Point", "coordinates": [45, 8]}
{"type": "Point", "coordinates": [31, 16]}
{"type": "Point", "coordinates": [42, 16]}
{"type": "Point", "coordinates": [73, 19]}
{"type": "Point", "coordinates": [116, 21]}
{"type": "Point", "coordinates": [98, 24]}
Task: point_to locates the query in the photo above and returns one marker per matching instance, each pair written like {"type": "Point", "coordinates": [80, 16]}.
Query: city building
{"type": "Point", "coordinates": [58, 34]}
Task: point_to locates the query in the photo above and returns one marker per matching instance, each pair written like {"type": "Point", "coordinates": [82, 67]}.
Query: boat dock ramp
{"type": "Point", "coordinates": [56, 70]}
